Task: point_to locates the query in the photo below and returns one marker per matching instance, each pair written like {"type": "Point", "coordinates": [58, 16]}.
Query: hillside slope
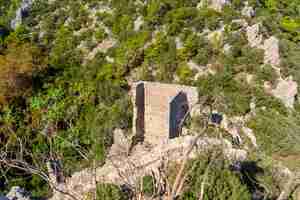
{"type": "Point", "coordinates": [67, 67]}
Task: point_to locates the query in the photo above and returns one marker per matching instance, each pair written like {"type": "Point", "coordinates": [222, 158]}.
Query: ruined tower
{"type": "Point", "coordinates": [160, 108]}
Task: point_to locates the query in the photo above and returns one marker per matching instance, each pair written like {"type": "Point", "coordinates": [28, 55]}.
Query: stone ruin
{"type": "Point", "coordinates": [160, 109]}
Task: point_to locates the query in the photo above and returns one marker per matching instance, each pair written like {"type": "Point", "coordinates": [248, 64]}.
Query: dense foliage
{"type": "Point", "coordinates": [61, 103]}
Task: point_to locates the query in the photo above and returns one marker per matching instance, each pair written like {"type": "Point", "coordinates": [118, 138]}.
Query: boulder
{"type": "Point", "coordinates": [200, 70]}
{"type": "Point", "coordinates": [21, 12]}
{"type": "Point", "coordinates": [17, 193]}
{"type": "Point", "coordinates": [227, 48]}
{"type": "Point", "coordinates": [121, 144]}
{"type": "Point", "coordinates": [249, 133]}
{"type": "Point", "coordinates": [286, 90]}
{"type": "Point", "coordinates": [218, 4]}
{"type": "Point", "coordinates": [271, 47]}
{"type": "Point", "coordinates": [253, 35]}
{"type": "Point", "coordinates": [248, 11]}
{"type": "Point", "coordinates": [138, 23]}
{"type": "Point", "coordinates": [214, 4]}
{"type": "Point", "coordinates": [178, 42]}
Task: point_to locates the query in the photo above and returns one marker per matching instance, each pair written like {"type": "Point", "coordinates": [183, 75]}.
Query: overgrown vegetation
{"type": "Point", "coordinates": [55, 103]}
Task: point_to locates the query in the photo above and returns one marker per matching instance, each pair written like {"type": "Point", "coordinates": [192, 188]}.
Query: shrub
{"type": "Point", "coordinates": [185, 74]}
{"type": "Point", "coordinates": [277, 133]}
{"type": "Point", "coordinates": [290, 61]}
{"type": "Point", "coordinates": [18, 65]}
{"type": "Point", "coordinates": [266, 73]}
{"type": "Point", "coordinates": [163, 57]}
{"type": "Point", "coordinates": [100, 34]}
{"type": "Point", "coordinates": [108, 192]}
{"type": "Point", "coordinates": [155, 12]}
{"type": "Point", "coordinates": [64, 52]}
{"type": "Point", "coordinates": [148, 185]}
{"type": "Point", "coordinates": [228, 95]}
{"type": "Point", "coordinates": [219, 181]}
{"type": "Point", "coordinates": [179, 18]}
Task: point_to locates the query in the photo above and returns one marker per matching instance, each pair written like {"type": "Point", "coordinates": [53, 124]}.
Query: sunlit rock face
{"type": "Point", "coordinates": [254, 37]}
{"type": "Point", "coordinates": [21, 12]}
{"type": "Point", "coordinates": [286, 91]}
{"type": "Point", "coordinates": [248, 11]}
{"type": "Point", "coordinates": [138, 23]}
{"type": "Point", "coordinates": [271, 47]}
{"type": "Point", "coordinates": [214, 4]}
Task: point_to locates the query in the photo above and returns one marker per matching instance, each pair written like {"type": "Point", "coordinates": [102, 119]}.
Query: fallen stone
{"type": "Point", "coordinates": [271, 47]}
{"type": "Point", "coordinates": [286, 90]}
{"type": "Point", "coordinates": [249, 133]}
{"type": "Point", "coordinates": [253, 36]}
{"type": "Point", "coordinates": [121, 143]}
{"type": "Point", "coordinates": [178, 42]}
{"type": "Point", "coordinates": [138, 23]}
{"type": "Point", "coordinates": [215, 36]}
{"type": "Point", "coordinates": [248, 11]}
{"type": "Point", "coordinates": [226, 48]}
{"type": "Point", "coordinates": [213, 4]}
{"type": "Point", "coordinates": [17, 193]}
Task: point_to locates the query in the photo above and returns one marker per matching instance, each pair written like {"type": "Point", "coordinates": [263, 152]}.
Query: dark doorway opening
{"type": "Point", "coordinates": [140, 117]}
{"type": "Point", "coordinates": [178, 110]}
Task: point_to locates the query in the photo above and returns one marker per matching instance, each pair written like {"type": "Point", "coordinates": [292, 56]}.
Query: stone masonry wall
{"type": "Point", "coordinates": [157, 104]}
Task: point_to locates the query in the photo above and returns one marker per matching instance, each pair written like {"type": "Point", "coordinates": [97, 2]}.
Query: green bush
{"type": "Point", "coordinates": [228, 95]}
{"type": "Point", "coordinates": [148, 185]}
{"type": "Point", "coordinates": [277, 133]}
{"type": "Point", "coordinates": [266, 73]}
{"type": "Point", "coordinates": [64, 52]}
{"type": "Point", "coordinates": [108, 192]}
{"type": "Point", "coordinates": [219, 182]}
{"type": "Point", "coordinates": [185, 74]}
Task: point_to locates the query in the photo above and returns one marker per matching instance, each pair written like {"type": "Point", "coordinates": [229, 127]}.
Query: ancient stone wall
{"type": "Point", "coordinates": [157, 99]}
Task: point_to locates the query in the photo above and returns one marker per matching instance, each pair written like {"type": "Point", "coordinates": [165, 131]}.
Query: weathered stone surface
{"type": "Point", "coordinates": [286, 90]}
{"type": "Point", "coordinates": [157, 99]}
{"type": "Point", "coordinates": [248, 11]}
{"type": "Point", "coordinates": [121, 170]}
{"type": "Point", "coordinates": [200, 70]}
{"type": "Point", "coordinates": [178, 42]}
{"type": "Point", "coordinates": [230, 127]}
{"type": "Point", "coordinates": [138, 23]}
{"type": "Point", "coordinates": [253, 35]}
{"type": "Point", "coordinates": [271, 47]}
{"type": "Point", "coordinates": [109, 59]}
{"type": "Point", "coordinates": [249, 133]}
{"type": "Point", "coordinates": [103, 47]}
{"type": "Point", "coordinates": [20, 13]}
{"type": "Point", "coordinates": [216, 36]}
{"type": "Point", "coordinates": [214, 4]}
{"type": "Point", "coordinates": [17, 193]}
{"type": "Point", "coordinates": [121, 144]}
{"type": "Point", "coordinates": [227, 48]}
